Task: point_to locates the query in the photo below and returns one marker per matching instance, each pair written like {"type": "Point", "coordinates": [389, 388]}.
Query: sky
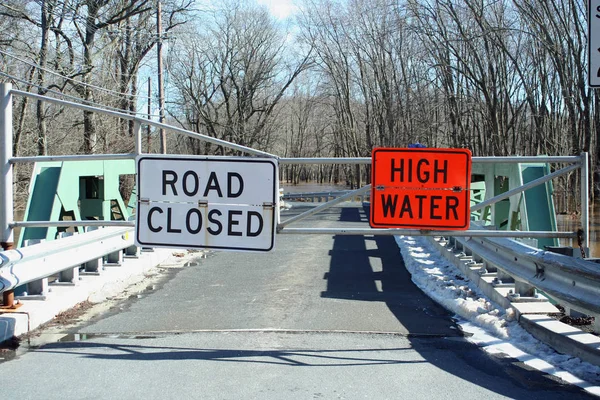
{"type": "Point", "coordinates": [280, 9]}
{"type": "Point", "coordinates": [494, 329]}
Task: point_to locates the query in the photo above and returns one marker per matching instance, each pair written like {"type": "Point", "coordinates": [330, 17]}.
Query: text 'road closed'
{"type": "Point", "coordinates": [212, 202]}
{"type": "Point", "coordinates": [213, 222]}
{"type": "Point", "coordinates": [421, 188]}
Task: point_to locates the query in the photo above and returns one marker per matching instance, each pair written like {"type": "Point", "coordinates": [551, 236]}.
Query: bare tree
{"type": "Point", "coordinates": [97, 16]}
{"type": "Point", "coordinates": [234, 75]}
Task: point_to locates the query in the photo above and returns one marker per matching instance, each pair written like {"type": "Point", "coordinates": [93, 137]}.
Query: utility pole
{"type": "Point", "coordinates": [161, 87]}
{"type": "Point", "coordinates": [149, 149]}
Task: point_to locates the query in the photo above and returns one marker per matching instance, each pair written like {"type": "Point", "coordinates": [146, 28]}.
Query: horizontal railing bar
{"type": "Point", "coordinates": [144, 121]}
{"type": "Point", "coordinates": [475, 160]}
{"type": "Point", "coordinates": [67, 224]}
{"type": "Point", "coordinates": [527, 159]}
{"type": "Point", "coordinates": [289, 161]}
{"type": "Point", "coordinates": [418, 232]}
{"type": "Point", "coordinates": [78, 157]}
{"type": "Point", "coordinates": [325, 160]}
{"type": "Point", "coordinates": [343, 231]}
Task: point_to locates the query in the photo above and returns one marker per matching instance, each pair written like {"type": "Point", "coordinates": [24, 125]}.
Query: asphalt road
{"type": "Point", "coordinates": [331, 317]}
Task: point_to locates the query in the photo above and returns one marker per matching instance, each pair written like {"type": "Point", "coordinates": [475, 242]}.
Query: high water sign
{"type": "Point", "coordinates": [420, 188]}
{"type": "Point", "coordinates": [226, 203]}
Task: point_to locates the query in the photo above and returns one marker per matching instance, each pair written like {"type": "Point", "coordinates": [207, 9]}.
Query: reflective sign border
{"type": "Point", "coordinates": [188, 158]}
{"type": "Point", "coordinates": [467, 154]}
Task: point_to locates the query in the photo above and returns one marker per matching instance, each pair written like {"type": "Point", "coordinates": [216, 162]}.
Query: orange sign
{"type": "Point", "coordinates": [420, 188]}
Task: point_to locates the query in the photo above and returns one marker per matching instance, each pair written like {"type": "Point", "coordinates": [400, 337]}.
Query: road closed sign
{"type": "Point", "coordinates": [420, 188]}
{"type": "Point", "coordinates": [226, 203]}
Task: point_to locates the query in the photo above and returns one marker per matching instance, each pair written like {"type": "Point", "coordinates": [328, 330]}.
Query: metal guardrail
{"type": "Point", "coordinates": [572, 282]}
{"type": "Point", "coordinates": [22, 266]}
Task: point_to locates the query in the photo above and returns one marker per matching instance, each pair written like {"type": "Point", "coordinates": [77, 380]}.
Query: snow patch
{"type": "Point", "coordinates": [493, 328]}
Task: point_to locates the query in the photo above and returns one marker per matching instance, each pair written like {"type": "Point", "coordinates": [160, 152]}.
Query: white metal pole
{"type": "Point", "coordinates": [585, 201]}
{"type": "Point", "coordinates": [137, 133]}
{"type": "Point", "coordinates": [6, 178]}
{"type": "Point", "coordinates": [161, 83]}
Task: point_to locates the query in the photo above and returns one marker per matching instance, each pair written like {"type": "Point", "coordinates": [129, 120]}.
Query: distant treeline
{"type": "Point", "coordinates": [336, 79]}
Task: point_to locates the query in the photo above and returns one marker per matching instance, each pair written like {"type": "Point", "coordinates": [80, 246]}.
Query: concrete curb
{"type": "Point", "coordinates": [94, 288]}
{"type": "Point", "coordinates": [563, 338]}
{"type": "Point", "coordinates": [532, 316]}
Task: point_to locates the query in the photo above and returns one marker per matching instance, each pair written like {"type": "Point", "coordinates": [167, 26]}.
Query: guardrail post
{"type": "Point", "coordinates": [114, 259]}
{"type": "Point", "coordinates": [69, 276]}
{"type": "Point", "coordinates": [132, 251]}
{"type": "Point", "coordinates": [524, 289]}
{"type": "Point", "coordinates": [6, 179]}
{"type": "Point", "coordinates": [502, 276]}
{"type": "Point", "coordinates": [36, 290]}
{"type": "Point", "coordinates": [93, 266]}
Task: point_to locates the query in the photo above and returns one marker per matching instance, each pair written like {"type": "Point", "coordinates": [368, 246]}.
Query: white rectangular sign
{"type": "Point", "coordinates": [594, 43]}
{"type": "Point", "coordinates": [226, 203]}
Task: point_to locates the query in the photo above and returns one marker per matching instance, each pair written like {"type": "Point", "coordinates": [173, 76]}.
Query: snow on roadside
{"type": "Point", "coordinates": [493, 328]}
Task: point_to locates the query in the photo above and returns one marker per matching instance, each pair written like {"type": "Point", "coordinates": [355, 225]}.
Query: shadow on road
{"type": "Point", "coordinates": [372, 269]}
{"type": "Point", "coordinates": [308, 358]}
{"type": "Point", "coordinates": [361, 269]}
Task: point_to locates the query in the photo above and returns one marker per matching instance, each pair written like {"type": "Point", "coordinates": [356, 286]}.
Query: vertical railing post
{"type": "Point", "coordinates": [137, 134]}
{"type": "Point", "coordinates": [585, 201]}
{"type": "Point", "coordinates": [6, 178]}
{"type": "Point", "coordinates": [133, 250]}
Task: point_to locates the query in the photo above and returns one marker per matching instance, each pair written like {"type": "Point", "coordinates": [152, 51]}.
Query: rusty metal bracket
{"type": "Point", "coordinates": [8, 302]}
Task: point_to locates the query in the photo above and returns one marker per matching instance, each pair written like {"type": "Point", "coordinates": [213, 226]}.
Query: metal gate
{"type": "Point", "coordinates": [11, 260]}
